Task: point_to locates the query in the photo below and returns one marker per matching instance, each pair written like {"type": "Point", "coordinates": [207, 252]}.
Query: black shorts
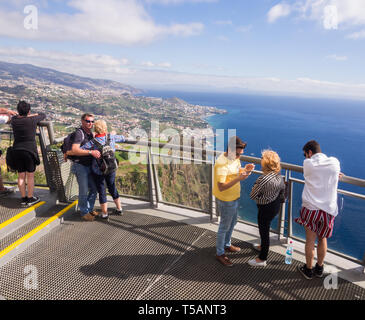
{"type": "Point", "coordinates": [24, 161]}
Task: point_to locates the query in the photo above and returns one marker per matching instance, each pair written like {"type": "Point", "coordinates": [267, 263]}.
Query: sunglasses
{"type": "Point", "coordinates": [89, 121]}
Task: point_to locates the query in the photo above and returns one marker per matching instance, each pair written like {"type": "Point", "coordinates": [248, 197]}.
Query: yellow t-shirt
{"type": "Point", "coordinates": [225, 170]}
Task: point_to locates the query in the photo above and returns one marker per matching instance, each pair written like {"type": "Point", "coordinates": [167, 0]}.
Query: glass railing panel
{"type": "Point", "coordinates": [348, 235]}
{"type": "Point", "coordinates": [247, 210]}
{"type": "Point", "coordinates": [39, 174]}
{"type": "Point", "coordinates": [5, 142]}
{"type": "Point", "coordinates": [184, 184]}
{"type": "Point", "coordinates": [131, 177]}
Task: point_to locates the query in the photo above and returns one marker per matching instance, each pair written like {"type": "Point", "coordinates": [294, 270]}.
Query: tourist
{"type": "Point", "coordinates": [25, 154]}
{"type": "Point", "coordinates": [267, 193]}
{"type": "Point", "coordinates": [101, 138]}
{"type": "Point", "coordinates": [227, 188]}
{"type": "Point", "coordinates": [81, 167]}
{"type": "Point", "coordinates": [5, 116]}
{"type": "Point", "coordinates": [319, 205]}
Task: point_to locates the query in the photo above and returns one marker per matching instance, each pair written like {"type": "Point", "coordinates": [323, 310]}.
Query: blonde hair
{"type": "Point", "coordinates": [100, 126]}
{"type": "Point", "coordinates": [270, 161]}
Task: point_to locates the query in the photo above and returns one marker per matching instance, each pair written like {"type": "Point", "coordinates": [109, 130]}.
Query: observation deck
{"type": "Point", "coordinates": [158, 249]}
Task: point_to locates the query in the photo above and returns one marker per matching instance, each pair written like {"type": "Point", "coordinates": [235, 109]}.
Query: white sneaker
{"type": "Point", "coordinates": [119, 212]}
{"type": "Point", "coordinates": [104, 216]}
{"type": "Point", "coordinates": [254, 263]}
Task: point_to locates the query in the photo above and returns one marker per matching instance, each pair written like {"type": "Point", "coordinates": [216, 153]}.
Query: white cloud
{"type": "Point", "coordinates": [92, 65]}
{"type": "Point", "coordinates": [159, 65]}
{"type": "Point", "coordinates": [123, 22]}
{"type": "Point", "coordinates": [278, 11]}
{"type": "Point", "coordinates": [164, 65]}
{"type": "Point", "coordinates": [336, 57]}
{"type": "Point", "coordinates": [330, 14]}
{"type": "Point", "coordinates": [167, 2]}
{"type": "Point", "coordinates": [153, 75]}
{"type": "Point", "coordinates": [357, 35]}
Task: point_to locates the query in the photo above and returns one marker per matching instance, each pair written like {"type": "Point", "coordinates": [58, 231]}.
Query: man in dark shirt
{"type": "Point", "coordinates": [81, 167]}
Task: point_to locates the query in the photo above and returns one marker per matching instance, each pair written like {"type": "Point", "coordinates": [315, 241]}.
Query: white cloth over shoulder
{"type": "Point", "coordinates": [4, 118]}
{"type": "Point", "coordinates": [321, 174]}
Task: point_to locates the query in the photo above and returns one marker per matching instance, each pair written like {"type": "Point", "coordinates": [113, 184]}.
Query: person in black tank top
{"type": "Point", "coordinates": [25, 150]}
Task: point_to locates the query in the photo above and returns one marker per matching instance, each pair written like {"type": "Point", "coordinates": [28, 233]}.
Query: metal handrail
{"type": "Point", "coordinates": [288, 167]}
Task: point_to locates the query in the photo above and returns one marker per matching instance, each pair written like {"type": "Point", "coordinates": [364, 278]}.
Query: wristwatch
{"type": "Point", "coordinates": [90, 152]}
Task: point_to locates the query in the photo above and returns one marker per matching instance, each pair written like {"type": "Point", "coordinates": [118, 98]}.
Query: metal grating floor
{"type": "Point", "coordinates": [139, 256]}
{"type": "Point", "coordinates": [10, 204]}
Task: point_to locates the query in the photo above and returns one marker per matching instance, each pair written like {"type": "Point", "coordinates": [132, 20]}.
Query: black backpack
{"type": "Point", "coordinates": [68, 141]}
{"type": "Point", "coordinates": [107, 162]}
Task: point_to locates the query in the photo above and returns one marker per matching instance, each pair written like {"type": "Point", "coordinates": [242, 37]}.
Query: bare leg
{"type": "Point", "coordinates": [117, 203]}
{"type": "Point", "coordinates": [21, 183]}
{"type": "Point", "coordinates": [104, 208]}
{"type": "Point", "coordinates": [321, 250]}
{"type": "Point", "coordinates": [30, 183]}
{"type": "Point", "coordinates": [309, 247]}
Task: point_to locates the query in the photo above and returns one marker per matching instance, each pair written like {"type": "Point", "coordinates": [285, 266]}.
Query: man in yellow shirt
{"type": "Point", "coordinates": [227, 189]}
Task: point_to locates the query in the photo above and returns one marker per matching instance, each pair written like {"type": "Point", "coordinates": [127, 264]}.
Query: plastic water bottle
{"type": "Point", "coordinates": [289, 253]}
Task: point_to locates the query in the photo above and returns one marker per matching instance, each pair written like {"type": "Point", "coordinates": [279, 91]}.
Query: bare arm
{"type": "Point", "coordinates": [224, 186]}
{"type": "Point", "coordinates": [8, 112]}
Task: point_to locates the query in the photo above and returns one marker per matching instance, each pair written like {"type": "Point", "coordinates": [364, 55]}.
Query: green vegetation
{"type": "Point", "coordinates": [185, 184]}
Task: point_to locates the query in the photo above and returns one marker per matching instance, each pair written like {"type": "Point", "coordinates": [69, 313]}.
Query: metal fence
{"type": "Point", "coordinates": [59, 179]}
{"type": "Point", "coordinates": [284, 229]}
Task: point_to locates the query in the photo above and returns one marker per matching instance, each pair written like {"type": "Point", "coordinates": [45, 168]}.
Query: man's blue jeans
{"type": "Point", "coordinates": [228, 213]}
{"type": "Point", "coordinates": [87, 187]}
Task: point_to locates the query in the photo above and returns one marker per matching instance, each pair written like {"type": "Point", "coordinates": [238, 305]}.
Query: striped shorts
{"type": "Point", "coordinates": [317, 221]}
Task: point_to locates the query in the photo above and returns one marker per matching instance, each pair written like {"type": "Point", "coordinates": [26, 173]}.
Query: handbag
{"type": "Point", "coordinates": [10, 161]}
{"type": "Point", "coordinates": [283, 196]}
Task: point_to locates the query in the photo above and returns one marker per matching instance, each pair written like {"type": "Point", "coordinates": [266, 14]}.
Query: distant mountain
{"type": "Point", "coordinates": [9, 71]}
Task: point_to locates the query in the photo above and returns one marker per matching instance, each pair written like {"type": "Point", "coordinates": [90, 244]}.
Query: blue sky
{"type": "Point", "coordinates": [304, 47]}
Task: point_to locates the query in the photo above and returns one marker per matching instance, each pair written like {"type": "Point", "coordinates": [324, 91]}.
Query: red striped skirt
{"type": "Point", "coordinates": [318, 221]}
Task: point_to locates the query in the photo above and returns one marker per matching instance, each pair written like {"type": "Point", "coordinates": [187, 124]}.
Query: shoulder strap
{"type": "Point", "coordinates": [83, 134]}
{"type": "Point", "coordinates": [97, 143]}
{"type": "Point", "coordinates": [108, 140]}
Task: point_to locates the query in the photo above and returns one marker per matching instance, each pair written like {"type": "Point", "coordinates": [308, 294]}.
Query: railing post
{"type": "Point", "coordinates": [156, 193]}
{"type": "Point", "coordinates": [290, 206]}
{"type": "Point", "coordinates": [43, 144]}
{"type": "Point", "coordinates": [212, 202]}
{"type": "Point", "coordinates": [211, 191]}
{"type": "Point", "coordinates": [150, 179]}
{"type": "Point", "coordinates": [363, 263]}
{"type": "Point", "coordinates": [281, 221]}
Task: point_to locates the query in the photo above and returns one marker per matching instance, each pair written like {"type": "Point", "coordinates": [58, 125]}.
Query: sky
{"type": "Point", "coordinates": [297, 47]}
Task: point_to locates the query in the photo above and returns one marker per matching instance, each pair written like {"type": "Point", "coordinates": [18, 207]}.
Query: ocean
{"type": "Point", "coordinates": [285, 124]}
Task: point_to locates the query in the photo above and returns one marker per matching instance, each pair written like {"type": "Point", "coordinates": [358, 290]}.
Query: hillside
{"type": "Point", "coordinates": [11, 71]}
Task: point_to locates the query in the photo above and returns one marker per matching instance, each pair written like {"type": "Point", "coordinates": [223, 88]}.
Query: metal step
{"type": "Point", "coordinates": [14, 218]}
{"type": "Point", "coordinates": [24, 226]}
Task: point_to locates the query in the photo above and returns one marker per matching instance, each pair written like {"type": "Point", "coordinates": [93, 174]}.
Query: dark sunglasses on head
{"type": "Point", "coordinates": [89, 121]}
